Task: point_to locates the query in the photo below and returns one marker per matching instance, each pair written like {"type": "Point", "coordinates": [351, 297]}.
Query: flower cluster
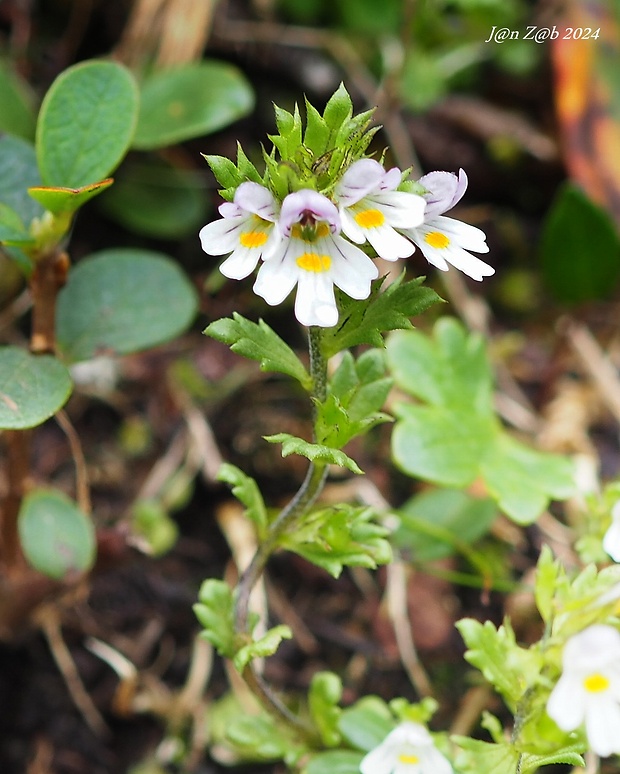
{"type": "Point", "coordinates": [311, 241]}
{"type": "Point", "coordinates": [588, 692]}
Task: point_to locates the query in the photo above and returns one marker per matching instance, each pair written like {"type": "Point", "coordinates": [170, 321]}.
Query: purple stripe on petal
{"type": "Point", "coordinates": [304, 203]}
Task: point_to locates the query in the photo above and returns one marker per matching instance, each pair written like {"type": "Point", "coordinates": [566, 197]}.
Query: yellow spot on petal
{"type": "Point", "coordinates": [322, 230]}
{"type": "Point", "coordinates": [437, 239]}
{"type": "Point", "coordinates": [369, 218]}
{"type": "Point", "coordinates": [408, 758]}
{"type": "Point", "coordinates": [253, 238]}
{"type": "Point", "coordinates": [596, 683]}
{"type": "Point", "coordinates": [310, 232]}
{"type": "Point", "coordinates": [314, 262]}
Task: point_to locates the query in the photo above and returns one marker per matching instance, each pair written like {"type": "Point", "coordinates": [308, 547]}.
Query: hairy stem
{"type": "Point", "coordinates": [291, 514]}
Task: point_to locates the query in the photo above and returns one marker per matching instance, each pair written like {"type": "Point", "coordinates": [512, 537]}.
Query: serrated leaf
{"type": "Point", "coordinates": [263, 647]}
{"type": "Point", "coordinates": [246, 490]}
{"type": "Point", "coordinates": [316, 136]}
{"type": "Point", "coordinates": [339, 536]}
{"type": "Point", "coordinates": [313, 451]}
{"type": "Point", "coordinates": [339, 109]}
{"type": "Point", "coordinates": [257, 341]}
{"type": "Point", "coordinates": [508, 667]}
{"type": "Point", "coordinates": [548, 572]}
{"type": "Point", "coordinates": [57, 538]}
{"type": "Point", "coordinates": [363, 322]}
{"type": "Point", "coordinates": [86, 123]}
{"type": "Point", "coordinates": [224, 170]}
{"type": "Point", "coordinates": [215, 612]}
{"type": "Point", "coordinates": [32, 388]}
{"type": "Point", "coordinates": [478, 757]}
{"type": "Point", "coordinates": [60, 201]}
{"type": "Point", "coordinates": [190, 101]}
{"type": "Point", "coordinates": [121, 301]}
{"type": "Point", "coordinates": [323, 702]}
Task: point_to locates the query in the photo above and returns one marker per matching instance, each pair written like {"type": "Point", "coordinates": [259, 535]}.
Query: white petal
{"type": "Point", "coordinates": [221, 236]}
{"type": "Point", "coordinates": [611, 541]}
{"type": "Point", "coordinates": [433, 762]}
{"type": "Point", "coordinates": [360, 178]}
{"type": "Point", "coordinates": [381, 760]}
{"type": "Point", "coordinates": [275, 280]}
{"type": "Point", "coordinates": [468, 263]}
{"type": "Point", "coordinates": [401, 209]}
{"type": "Point", "coordinates": [603, 725]}
{"type": "Point", "coordinates": [350, 227]}
{"type": "Point", "coordinates": [592, 650]}
{"type": "Point", "coordinates": [445, 189]}
{"type": "Point", "coordinates": [255, 198]}
{"type": "Point", "coordinates": [566, 705]}
{"type": "Point", "coordinates": [315, 303]}
{"type": "Point", "coordinates": [389, 244]}
{"type": "Point", "coordinates": [240, 263]}
{"type": "Point", "coordinates": [464, 234]}
{"type": "Point", "coordinates": [352, 270]}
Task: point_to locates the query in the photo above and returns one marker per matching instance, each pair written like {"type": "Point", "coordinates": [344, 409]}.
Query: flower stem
{"type": "Point", "coordinates": [292, 513]}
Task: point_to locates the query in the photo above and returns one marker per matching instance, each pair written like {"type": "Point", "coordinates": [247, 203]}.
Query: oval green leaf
{"type": "Point", "coordinates": [120, 301]}
{"type": "Point", "coordinates": [57, 538]}
{"type": "Point", "coordinates": [32, 388]}
{"type": "Point", "coordinates": [18, 171]}
{"type": "Point", "coordinates": [157, 200]}
{"type": "Point", "coordinates": [86, 124]}
{"type": "Point", "coordinates": [190, 101]}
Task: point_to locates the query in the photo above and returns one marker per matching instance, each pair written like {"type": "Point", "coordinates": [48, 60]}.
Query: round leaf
{"type": "Point", "coordinates": [86, 124]}
{"type": "Point", "coordinates": [121, 301]}
{"type": "Point", "coordinates": [32, 388]}
{"type": "Point", "coordinates": [157, 200]}
{"type": "Point", "coordinates": [18, 171]}
{"type": "Point", "coordinates": [190, 101]}
{"type": "Point", "coordinates": [56, 537]}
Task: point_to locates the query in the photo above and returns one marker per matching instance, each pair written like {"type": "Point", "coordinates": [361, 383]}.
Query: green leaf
{"type": "Point", "coordinates": [17, 99]}
{"type": "Point", "coordinates": [335, 762]}
{"type": "Point", "coordinates": [339, 109]}
{"type": "Point", "coordinates": [508, 667]}
{"type": "Point", "coordinates": [246, 490]}
{"type": "Point", "coordinates": [323, 699]}
{"type": "Point", "coordinates": [190, 101]}
{"type": "Point", "coordinates": [366, 724]}
{"type": "Point", "coordinates": [257, 341]}
{"type": "Point", "coordinates": [440, 445]}
{"type": "Point", "coordinates": [60, 201]}
{"type": "Point", "coordinates": [215, 612]}
{"type": "Point", "coordinates": [579, 249]}
{"type": "Point", "coordinates": [313, 451]}
{"type": "Point", "coordinates": [121, 301]}
{"type": "Point", "coordinates": [257, 737]}
{"type": "Point", "coordinates": [57, 538]}
{"type": "Point", "coordinates": [152, 198]}
{"type": "Point", "coordinates": [316, 136]}
{"type": "Point", "coordinates": [338, 536]}
{"type": "Point", "coordinates": [19, 171]}
{"type": "Point", "coordinates": [86, 124]}
{"type": "Point", "coordinates": [263, 647]}
{"type": "Point", "coordinates": [12, 231]}
{"type": "Point", "coordinates": [440, 522]}
{"type": "Point", "coordinates": [363, 322]}
{"type": "Point", "coordinates": [32, 388]}
{"type": "Point", "coordinates": [522, 479]}
{"type": "Point", "coordinates": [478, 757]}
{"type": "Point", "coordinates": [451, 369]}
{"type": "Point", "coordinates": [456, 437]}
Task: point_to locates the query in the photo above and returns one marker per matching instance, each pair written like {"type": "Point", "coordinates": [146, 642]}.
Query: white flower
{"type": "Point", "coordinates": [313, 256]}
{"type": "Point", "coordinates": [589, 689]}
{"type": "Point", "coordinates": [611, 541]}
{"type": "Point", "coordinates": [444, 240]}
{"type": "Point", "coordinates": [371, 208]}
{"type": "Point", "coordinates": [246, 230]}
{"type": "Point", "coordinates": [408, 749]}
